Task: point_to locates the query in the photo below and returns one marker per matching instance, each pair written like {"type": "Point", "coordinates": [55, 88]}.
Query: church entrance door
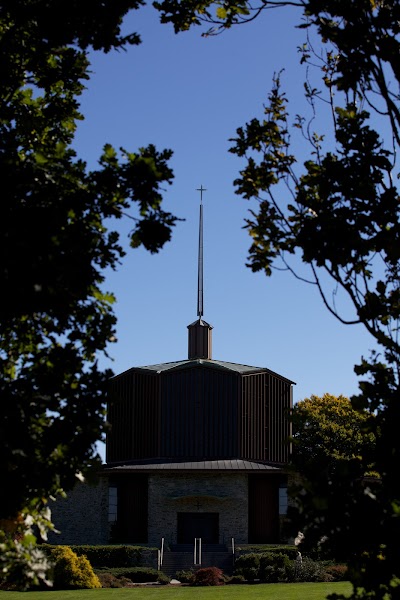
{"type": "Point", "coordinates": [198, 525]}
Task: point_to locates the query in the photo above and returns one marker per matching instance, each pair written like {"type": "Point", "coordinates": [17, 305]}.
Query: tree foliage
{"type": "Point", "coordinates": [331, 218]}
{"type": "Point", "coordinates": [57, 238]}
{"type": "Point", "coordinates": [331, 485]}
{"type": "Point", "coordinates": [326, 430]}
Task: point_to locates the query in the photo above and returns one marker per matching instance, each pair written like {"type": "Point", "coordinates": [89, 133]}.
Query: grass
{"type": "Point", "coordinates": [271, 591]}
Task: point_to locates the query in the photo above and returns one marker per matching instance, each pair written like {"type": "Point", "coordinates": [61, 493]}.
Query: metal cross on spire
{"type": "Point", "coordinates": [201, 190]}
{"type": "Point", "coordinates": [200, 263]}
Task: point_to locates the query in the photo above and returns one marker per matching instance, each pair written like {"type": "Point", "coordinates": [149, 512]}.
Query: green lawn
{"type": "Point", "coordinates": [272, 591]}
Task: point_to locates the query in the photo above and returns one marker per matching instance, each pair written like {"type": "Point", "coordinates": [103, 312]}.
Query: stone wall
{"type": "Point", "coordinates": [226, 494]}
{"type": "Point", "coordinates": [82, 517]}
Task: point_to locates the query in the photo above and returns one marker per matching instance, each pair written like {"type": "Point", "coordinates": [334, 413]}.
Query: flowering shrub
{"type": "Point", "coordinates": [22, 563]}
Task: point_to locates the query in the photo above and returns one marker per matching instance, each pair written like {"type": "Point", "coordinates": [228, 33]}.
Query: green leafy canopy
{"type": "Point", "coordinates": [56, 240]}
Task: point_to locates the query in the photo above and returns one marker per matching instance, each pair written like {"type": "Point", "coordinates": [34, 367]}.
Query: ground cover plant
{"type": "Point", "coordinates": [275, 591]}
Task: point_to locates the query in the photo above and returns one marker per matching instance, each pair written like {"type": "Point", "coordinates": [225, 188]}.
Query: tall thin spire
{"type": "Point", "coordinates": [200, 332]}
{"type": "Point", "coordinates": [200, 299]}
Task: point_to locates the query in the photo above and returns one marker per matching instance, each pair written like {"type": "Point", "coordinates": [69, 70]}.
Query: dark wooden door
{"type": "Point", "coordinates": [263, 510]}
{"type": "Point", "coordinates": [198, 525]}
{"type": "Point", "coordinates": [131, 525]}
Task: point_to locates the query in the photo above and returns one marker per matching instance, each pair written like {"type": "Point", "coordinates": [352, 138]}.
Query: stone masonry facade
{"type": "Point", "coordinates": [225, 494]}
{"type": "Point", "coordinates": [82, 517]}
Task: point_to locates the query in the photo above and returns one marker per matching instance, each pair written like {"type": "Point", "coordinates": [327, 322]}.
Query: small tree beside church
{"type": "Point", "coordinates": [331, 447]}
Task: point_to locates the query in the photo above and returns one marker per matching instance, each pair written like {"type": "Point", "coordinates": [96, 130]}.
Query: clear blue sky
{"type": "Point", "coordinates": [189, 94]}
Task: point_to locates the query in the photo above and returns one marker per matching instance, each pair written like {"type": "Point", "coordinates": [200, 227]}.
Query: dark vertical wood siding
{"type": "Point", "coordinates": [265, 427]}
{"type": "Point", "coordinates": [134, 416]}
{"type": "Point", "coordinates": [263, 509]}
{"type": "Point", "coordinates": [199, 413]}
{"type": "Point", "coordinates": [132, 498]}
{"type": "Point", "coordinates": [199, 409]}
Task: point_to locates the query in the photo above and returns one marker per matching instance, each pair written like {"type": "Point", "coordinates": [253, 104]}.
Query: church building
{"type": "Point", "coordinates": [197, 449]}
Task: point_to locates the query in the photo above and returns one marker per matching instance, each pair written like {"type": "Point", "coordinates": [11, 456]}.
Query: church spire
{"type": "Point", "coordinates": [200, 261]}
{"type": "Point", "coordinates": [200, 335]}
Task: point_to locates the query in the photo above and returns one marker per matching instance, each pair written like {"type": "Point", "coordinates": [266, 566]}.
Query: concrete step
{"type": "Point", "coordinates": [205, 547]}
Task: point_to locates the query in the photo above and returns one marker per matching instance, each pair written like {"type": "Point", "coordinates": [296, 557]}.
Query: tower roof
{"type": "Point", "coordinates": [201, 362]}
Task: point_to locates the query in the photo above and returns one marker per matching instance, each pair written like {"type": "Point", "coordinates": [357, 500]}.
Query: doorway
{"type": "Point", "coordinates": [198, 525]}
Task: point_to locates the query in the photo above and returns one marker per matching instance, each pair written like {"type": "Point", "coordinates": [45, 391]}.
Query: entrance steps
{"type": "Point", "coordinates": [180, 557]}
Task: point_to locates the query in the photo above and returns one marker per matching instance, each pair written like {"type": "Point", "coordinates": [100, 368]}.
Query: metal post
{"type": "Point", "coordinates": [197, 551]}
{"type": "Point", "coordinates": [161, 554]}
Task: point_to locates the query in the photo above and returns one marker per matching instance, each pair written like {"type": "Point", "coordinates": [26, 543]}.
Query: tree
{"type": "Point", "coordinates": [55, 318]}
{"type": "Point", "coordinates": [336, 213]}
{"type": "Point", "coordinates": [332, 444]}
{"type": "Point", "coordinates": [326, 430]}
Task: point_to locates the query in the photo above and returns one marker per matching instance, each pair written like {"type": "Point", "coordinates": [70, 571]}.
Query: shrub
{"type": "Point", "coordinates": [111, 556]}
{"type": "Point", "coordinates": [108, 580]}
{"type": "Point", "coordinates": [273, 567]}
{"type": "Point", "coordinates": [337, 572]}
{"type": "Point", "coordinates": [248, 565]}
{"type": "Point", "coordinates": [290, 551]}
{"type": "Point", "coordinates": [236, 579]}
{"type": "Point", "coordinates": [184, 576]}
{"type": "Point", "coordinates": [307, 570]}
{"type": "Point", "coordinates": [163, 578]}
{"type": "Point", "coordinates": [208, 576]}
{"type": "Point", "coordinates": [71, 571]}
{"type": "Point", "coordinates": [136, 574]}
{"type": "Point", "coordinates": [107, 556]}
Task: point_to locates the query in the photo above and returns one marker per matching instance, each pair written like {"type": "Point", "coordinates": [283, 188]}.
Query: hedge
{"type": "Point", "coordinates": [290, 551]}
{"type": "Point", "coordinates": [135, 574]}
{"type": "Point", "coordinates": [108, 556]}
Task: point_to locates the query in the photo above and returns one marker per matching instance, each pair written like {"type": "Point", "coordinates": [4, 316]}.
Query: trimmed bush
{"type": "Point", "coordinates": [290, 551]}
{"type": "Point", "coordinates": [136, 574]}
{"type": "Point", "coordinates": [72, 571]}
{"type": "Point", "coordinates": [273, 567]}
{"type": "Point", "coordinates": [111, 556]}
{"type": "Point", "coordinates": [208, 576]}
{"type": "Point", "coordinates": [107, 556]}
{"type": "Point", "coordinates": [248, 565]}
